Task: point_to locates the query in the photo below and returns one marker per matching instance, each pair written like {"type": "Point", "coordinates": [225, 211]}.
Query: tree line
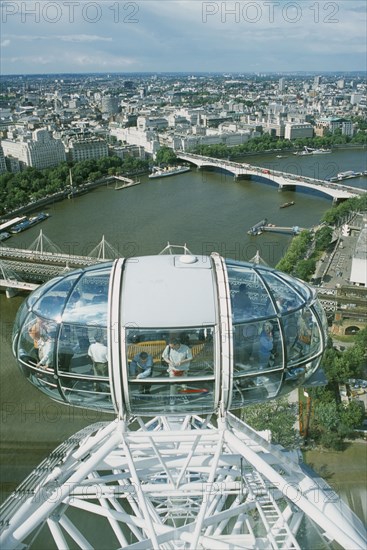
{"type": "Point", "coordinates": [31, 184]}
{"type": "Point", "coordinates": [332, 421]}
{"type": "Point", "coordinates": [268, 142]}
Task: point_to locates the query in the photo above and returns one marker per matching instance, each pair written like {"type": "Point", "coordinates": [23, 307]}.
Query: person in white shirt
{"type": "Point", "coordinates": [98, 353]}
{"type": "Point", "coordinates": [178, 357]}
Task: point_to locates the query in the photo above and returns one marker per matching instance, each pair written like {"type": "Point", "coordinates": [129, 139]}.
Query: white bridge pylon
{"type": "Point", "coordinates": [43, 244]}
{"type": "Point", "coordinates": [104, 251]}
{"type": "Point", "coordinates": [178, 483]}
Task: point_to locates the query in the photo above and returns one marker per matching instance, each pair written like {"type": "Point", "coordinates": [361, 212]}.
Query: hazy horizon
{"type": "Point", "coordinates": [181, 36]}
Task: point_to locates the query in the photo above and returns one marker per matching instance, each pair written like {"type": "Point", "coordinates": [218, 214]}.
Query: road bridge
{"type": "Point", "coordinates": [283, 180]}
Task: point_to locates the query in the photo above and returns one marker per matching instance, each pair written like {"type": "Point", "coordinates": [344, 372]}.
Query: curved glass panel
{"type": "Point", "coordinates": [52, 304]}
{"type": "Point", "coordinates": [303, 336]}
{"type": "Point", "coordinates": [20, 318]}
{"type": "Point", "coordinates": [67, 361]}
{"type": "Point", "coordinates": [88, 300]}
{"type": "Point", "coordinates": [253, 389]}
{"type": "Point", "coordinates": [249, 297]}
{"type": "Point", "coordinates": [37, 340]}
{"type": "Point", "coordinates": [311, 367]}
{"type": "Point", "coordinates": [321, 315]}
{"type": "Point", "coordinates": [286, 299]}
{"type": "Point", "coordinates": [304, 290]}
{"type": "Point", "coordinates": [36, 353]}
{"type": "Point", "coordinates": [85, 393]}
{"type": "Point", "coordinates": [257, 346]}
{"type": "Point", "coordinates": [32, 298]}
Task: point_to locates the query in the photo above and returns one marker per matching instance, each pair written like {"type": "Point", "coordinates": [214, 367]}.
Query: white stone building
{"type": "Point", "coordinates": [294, 130]}
{"type": "Point", "coordinates": [86, 148]}
{"type": "Point", "coordinates": [133, 136]}
{"type": "Point", "coordinates": [41, 151]}
{"type": "Point", "coordinates": [3, 168]}
{"type": "Point", "coordinates": [358, 275]}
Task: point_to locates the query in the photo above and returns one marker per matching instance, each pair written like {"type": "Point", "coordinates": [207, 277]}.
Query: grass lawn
{"type": "Point", "coordinates": [341, 468]}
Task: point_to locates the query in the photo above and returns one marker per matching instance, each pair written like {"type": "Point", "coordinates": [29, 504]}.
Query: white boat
{"type": "Point", "coordinates": [306, 151]}
{"type": "Point", "coordinates": [348, 175]}
{"type": "Point", "coordinates": [321, 151]}
{"type": "Point", "coordinates": [4, 235]}
{"type": "Point", "coordinates": [311, 151]}
{"type": "Point", "coordinates": [168, 171]}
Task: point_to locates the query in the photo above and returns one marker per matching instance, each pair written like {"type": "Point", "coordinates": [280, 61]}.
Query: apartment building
{"type": "Point", "coordinates": [86, 148]}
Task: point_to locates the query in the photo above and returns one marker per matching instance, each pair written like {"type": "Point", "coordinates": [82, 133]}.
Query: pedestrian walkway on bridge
{"type": "Point", "coordinates": [22, 268]}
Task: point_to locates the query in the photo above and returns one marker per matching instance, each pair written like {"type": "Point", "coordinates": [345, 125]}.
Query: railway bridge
{"type": "Point", "coordinates": [24, 269]}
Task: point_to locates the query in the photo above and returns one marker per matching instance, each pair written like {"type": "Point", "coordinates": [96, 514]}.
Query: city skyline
{"type": "Point", "coordinates": [182, 36]}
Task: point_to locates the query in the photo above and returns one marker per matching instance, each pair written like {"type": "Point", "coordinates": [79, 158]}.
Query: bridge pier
{"type": "Point", "coordinates": [10, 292]}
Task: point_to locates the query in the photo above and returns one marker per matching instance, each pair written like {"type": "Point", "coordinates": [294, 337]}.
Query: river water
{"type": "Point", "coordinates": [207, 210]}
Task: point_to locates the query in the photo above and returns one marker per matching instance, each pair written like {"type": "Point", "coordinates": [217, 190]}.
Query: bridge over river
{"type": "Point", "coordinates": [283, 180]}
{"type": "Point", "coordinates": [37, 264]}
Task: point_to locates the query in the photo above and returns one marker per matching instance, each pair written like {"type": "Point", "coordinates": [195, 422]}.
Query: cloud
{"type": "Point", "coordinates": [32, 61]}
{"type": "Point", "coordinates": [101, 61]}
{"type": "Point", "coordinates": [63, 37]}
{"type": "Point", "coordinates": [162, 35]}
{"type": "Point", "coordinates": [4, 43]}
{"type": "Point", "coordinates": [60, 62]}
{"type": "Point", "coordinates": [84, 38]}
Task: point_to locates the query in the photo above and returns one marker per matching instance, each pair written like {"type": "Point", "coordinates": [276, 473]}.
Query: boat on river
{"type": "Point", "coordinates": [349, 174]}
{"type": "Point", "coordinates": [321, 151]}
{"type": "Point", "coordinates": [10, 223]}
{"type": "Point", "coordinates": [312, 151]}
{"type": "Point", "coordinates": [26, 224]}
{"type": "Point", "coordinates": [168, 171]}
{"type": "Point", "coordinates": [4, 235]}
{"type": "Point", "coordinates": [286, 204]}
{"type": "Point", "coordinates": [306, 151]}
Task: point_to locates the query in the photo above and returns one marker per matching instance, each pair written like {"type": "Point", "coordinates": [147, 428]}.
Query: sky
{"type": "Point", "coordinates": [83, 36]}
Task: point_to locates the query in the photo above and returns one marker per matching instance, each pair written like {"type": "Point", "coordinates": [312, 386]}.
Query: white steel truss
{"type": "Point", "coordinates": [173, 483]}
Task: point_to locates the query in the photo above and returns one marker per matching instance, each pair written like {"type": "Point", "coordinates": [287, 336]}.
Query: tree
{"type": "Point", "coordinates": [361, 339]}
{"type": "Point", "coordinates": [278, 416]}
{"type": "Point", "coordinates": [165, 155]}
{"type": "Point", "coordinates": [340, 367]}
{"type": "Point", "coordinates": [323, 237]}
{"type": "Point", "coordinates": [305, 269]}
{"type": "Point", "coordinates": [333, 422]}
{"type": "Point", "coordinates": [296, 252]}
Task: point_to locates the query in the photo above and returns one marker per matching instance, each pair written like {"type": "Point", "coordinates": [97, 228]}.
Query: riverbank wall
{"type": "Point", "coordinates": [59, 196]}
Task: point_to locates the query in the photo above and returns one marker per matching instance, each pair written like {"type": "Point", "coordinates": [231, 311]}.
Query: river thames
{"type": "Point", "coordinates": [207, 210]}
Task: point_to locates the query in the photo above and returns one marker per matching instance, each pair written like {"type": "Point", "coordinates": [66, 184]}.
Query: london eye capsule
{"type": "Point", "coordinates": [231, 334]}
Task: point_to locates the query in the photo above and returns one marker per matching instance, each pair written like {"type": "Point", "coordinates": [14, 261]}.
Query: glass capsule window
{"type": "Point", "coordinates": [278, 332]}
{"type": "Point", "coordinates": [60, 338]}
{"type": "Point", "coordinates": [256, 333]}
{"type": "Point", "coordinates": [170, 370]}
